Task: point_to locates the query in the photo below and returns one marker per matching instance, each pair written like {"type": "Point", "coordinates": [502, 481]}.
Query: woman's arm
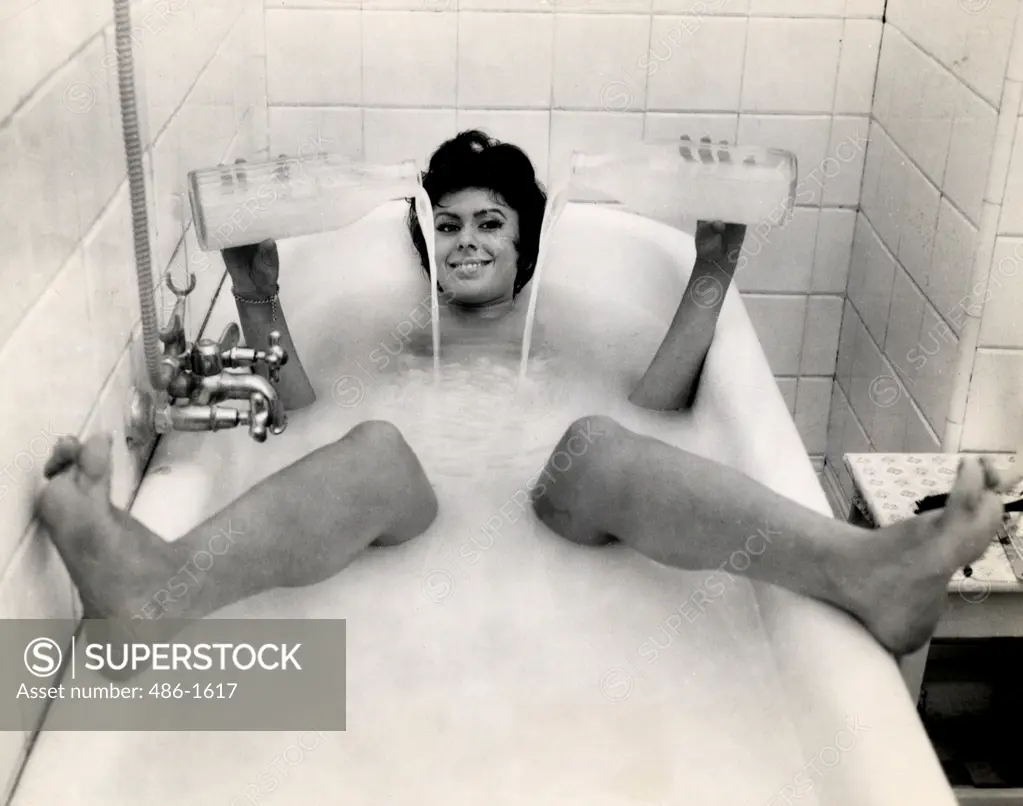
{"type": "Point", "coordinates": [257, 321]}
{"type": "Point", "coordinates": [671, 380]}
{"type": "Point", "coordinates": [253, 272]}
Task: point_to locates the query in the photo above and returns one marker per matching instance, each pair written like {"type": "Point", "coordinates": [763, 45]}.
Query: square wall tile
{"type": "Point", "coordinates": [600, 62]}
{"type": "Point", "coordinates": [869, 381]}
{"type": "Point", "coordinates": [529, 130]}
{"type": "Point", "coordinates": [993, 411]}
{"type": "Point", "coordinates": [1002, 324]}
{"type": "Point", "coordinates": [515, 5]}
{"type": "Point", "coordinates": [797, 8]}
{"type": "Point", "coordinates": [40, 201]}
{"type": "Point", "coordinates": [889, 204]}
{"type": "Point", "coordinates": [969, 152]}
{"type": "Point", "coordinates": [306, 130]}
{"type": "Point", "coordinates": [973, 44]}
{"type": "Point", "coordinates": [215, 23]}
{"type": "Point", "coordinates": [833, 251]}
{"type": "Point", "coordinates": [934, 360]}
{"type": "Point", "coordinates": [806, 136]}
{"type": "Point", "coordinates": [804, 79]}
{"type": "Point", "coordinates": [889, 61]}
{"type": "Point", "coordinates": [36, 584]}
{"type": "Point", "coordinates": [695, 63]}
{"type": "Point", "coordinates": [781, 260]}
{"type": "Point", "coordinates": [56, 396]}
{"type": "Point", "coordinates": [857, 66]}
{"type": "Point", "coordinates": [432, 6]}
{"type": "Point", "coordinates": [820, 343]}
{"type": "Point", "coordinates": [865, 8]}
{"type": "Point", "coordinates": [852, 326]}
{"type": "Point", "coordinates": [871, 277]}
{"type": "Point", "coordinates": [778, 322]}
{"type": "Point", "coordinates": [397, 70]}
{"type": "Point", "coordinates": [917, 211]}
{"type": "Point", "coordinates": [314, 57]}
{"type": "Point", "coordinates": [393, 135]}
{"type": "Point", "coordinates": [698, 7]}
{"type": "Point", "coordinates": [98, 160]}
{"type": "Point", "coordinates": [517, 76]}
{"type": "Point", "coordinates": [845, 435]}
{"type": "Point", "coordinates": [169, 61]}
{"type": "Point", "coordinates": [812, 404]}
{"type": "Point", "coordinates": [169, 192]}
{"type": "Point", "coordinates": [920, 437]}
{"type": "Point", "coordinates": [905, 320]}
{"type": "Point", "coordinates": [842, 170]}
{"type": "Point", "coordinates": [601, 6]}
{"type": "Point", "coordinates": [1011, 220]}
{"type": "Point", "coordinates": [874, 181]}
{"type": "Point", "coordinates": [887, 430]}
{"type": "Point", "coordinates": [38, 37]}
{"type": "Point", "coordinates": [672, 125]}
{"type": "Point", "coordinates": [591, 132]}
{"type": "Point", "coordinates": [922, 112]}
{"type": "Point", "coordinates": [108, 252]}
{"type": "Point", "coordinates": [16, 232]}
{"type": "Point", "coordinates": [788, 387]}
{"type": "Point", "coordinates": [946, 277]}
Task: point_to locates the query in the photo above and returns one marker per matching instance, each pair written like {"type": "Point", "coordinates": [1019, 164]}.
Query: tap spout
{"type": "Point", "coordinates": [227, 386]}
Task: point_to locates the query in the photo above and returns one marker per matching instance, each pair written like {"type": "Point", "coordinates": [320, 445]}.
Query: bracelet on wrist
{"type": "Point", "coordinates": [260, 299]}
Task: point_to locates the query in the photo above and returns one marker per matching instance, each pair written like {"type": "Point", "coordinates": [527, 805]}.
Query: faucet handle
{"type": "Point", "coordinates": [230, 338]}
{"type": "Point", "coordinates": [276, 356]}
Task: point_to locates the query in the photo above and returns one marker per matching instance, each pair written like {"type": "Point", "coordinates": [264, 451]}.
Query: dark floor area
{"type": "Point", "coordinates": [972, 707]}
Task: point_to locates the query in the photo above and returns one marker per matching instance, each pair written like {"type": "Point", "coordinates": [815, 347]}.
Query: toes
{"type": "Point", "coordinates": [94, 459]}
{"type": "Point", "coordinates": [999, 481]}
{"type": "Point", "coordinates": [966, 494]}
{"type": "Point", "coordinates": [65, 453]}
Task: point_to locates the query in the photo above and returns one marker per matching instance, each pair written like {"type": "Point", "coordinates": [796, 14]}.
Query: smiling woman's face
{"type": "Point", "coordinates": [476, 234]}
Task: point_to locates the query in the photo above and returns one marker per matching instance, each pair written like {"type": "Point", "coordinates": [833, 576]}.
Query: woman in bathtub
{"type": "Point", "coordinates": [369, 489]}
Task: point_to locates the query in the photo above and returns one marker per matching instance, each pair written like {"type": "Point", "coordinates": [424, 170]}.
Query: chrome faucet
{"type": "Point", "coordinates": [198, 377]}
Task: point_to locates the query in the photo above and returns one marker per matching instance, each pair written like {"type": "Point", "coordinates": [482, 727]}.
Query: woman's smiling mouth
{"type": "Point", "coordinates": [470, 268]}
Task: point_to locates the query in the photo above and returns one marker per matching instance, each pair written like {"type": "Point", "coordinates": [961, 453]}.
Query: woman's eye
{"type": "Point", "coordinates": [446, 227]}
{"type": "Point", "coordinates": [491, 225]}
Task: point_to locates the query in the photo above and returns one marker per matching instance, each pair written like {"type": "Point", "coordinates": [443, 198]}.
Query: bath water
{"type": "Point", "coordinates": [527, 639]}
{"type": "Point", "coordinates": [518, 649]}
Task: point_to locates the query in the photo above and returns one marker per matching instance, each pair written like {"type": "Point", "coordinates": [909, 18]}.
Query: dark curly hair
{"type": "Point", "coordinates": [471, 159]}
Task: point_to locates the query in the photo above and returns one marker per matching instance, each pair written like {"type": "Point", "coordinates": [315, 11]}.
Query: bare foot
{"type": "Point", "coordinates": [901, 590]}
{"type": "Point", "coordinates": [116, 563]}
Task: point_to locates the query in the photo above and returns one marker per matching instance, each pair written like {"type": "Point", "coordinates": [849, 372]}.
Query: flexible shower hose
{"type": "Point", "coordinates": [133, 149]}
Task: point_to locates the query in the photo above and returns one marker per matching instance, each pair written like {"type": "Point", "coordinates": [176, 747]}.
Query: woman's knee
{"type": "Point", "coordinates": [382, 434]}
{"type": "Point", "coordinates": [591, 436]}
{"type": "Point", "coordinates": [380, 444]}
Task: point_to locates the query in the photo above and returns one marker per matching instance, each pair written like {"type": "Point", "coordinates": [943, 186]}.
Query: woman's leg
{"type": "Point", "coordinates": [690, 512]}
{"type": "Point", "coordinates": [298, 527]}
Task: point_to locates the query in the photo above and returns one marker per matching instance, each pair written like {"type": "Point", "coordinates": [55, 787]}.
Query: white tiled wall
{"type": "Point", "coordinates": [994, 414]}
{"type": "Point", "coordinates": [935, 109]}
{"type": "Point", "coordinates": [392, 80]}
{"type": "Point", "coordinates": [70, 320]}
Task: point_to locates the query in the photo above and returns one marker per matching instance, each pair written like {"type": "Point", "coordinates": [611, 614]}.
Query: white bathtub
{"type": "Point", "coordinates": [541, 672]}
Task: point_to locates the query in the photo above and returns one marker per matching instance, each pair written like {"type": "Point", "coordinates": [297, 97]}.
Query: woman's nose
{"type": "Point", "coordinates": [467, 239]}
